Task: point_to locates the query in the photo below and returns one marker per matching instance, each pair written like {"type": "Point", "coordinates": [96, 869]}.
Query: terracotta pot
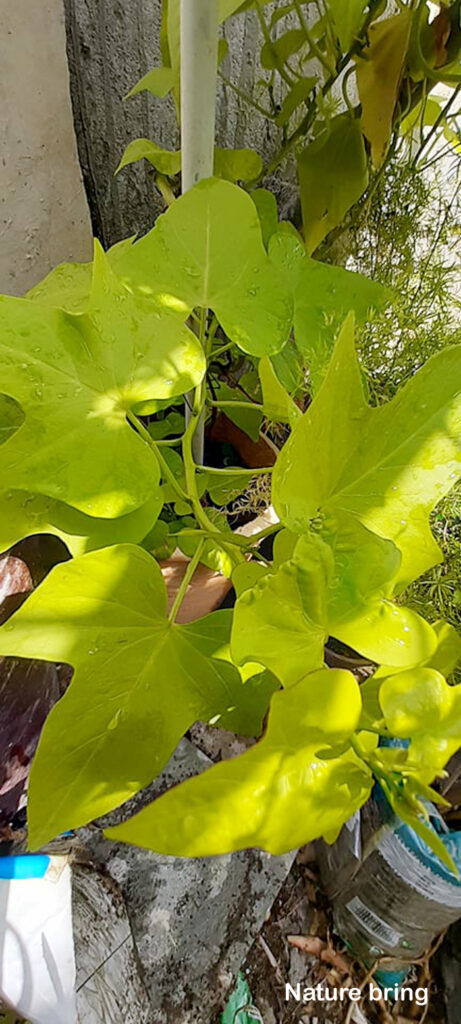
{"type": "Point", "coordinates": [208, 588]}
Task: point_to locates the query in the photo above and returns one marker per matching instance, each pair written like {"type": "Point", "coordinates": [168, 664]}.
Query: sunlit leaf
{"type": "Point", "coordinates": [333, 174]}
{"type": "Point", "coordinates": [379, 73]}
{"type": "Point", "coordinates": [139, 683]}
{"type": "Point", "coordinates": [207, 251]}
{"type": "Point", "coordinates": [159, 82]}
{"type": "Point", "coordinates": [230, 164]}
{"type": "Point", "coordinates": [23, 514]}
{"type": "Point", "coordinates": [323, 294]}
{"type": "Point", "coordinates": [279, 794]}
{"type": "Point", "coordinates": [386, 466]}
{"type": "Point", "coordinates": [278, 404]}
{"type": "Point", "coordinates": [281, 620]}
{"type": "Point", "coordinates": [421, 706]}
{"type": "Point", "coordinates": [76, 377]}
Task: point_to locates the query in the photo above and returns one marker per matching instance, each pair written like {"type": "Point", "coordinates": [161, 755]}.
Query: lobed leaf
{"type": "Point", "coordinates": [385, 466]}
{"type": "Point", "coordinates": [76, 376]}
{"type": "Point", "coordinates": [139, 683]}
{"type": "Point", "coordinates": [278, 795]}
{"type": "Point", "coordinates": [281, 620]}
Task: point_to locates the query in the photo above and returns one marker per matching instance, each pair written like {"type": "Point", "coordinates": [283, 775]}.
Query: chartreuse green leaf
{"type": "Point", "coordinates": [278, 795]}
{"type": "Point", "coordinates": [23, 514]}
{"type": "Point", "coordinates": [277, 51]}
{"type": "Point", "coordinates": [444, 659]}
{"type": "Point", "coordinates": [379, 74]}
{"type": "Point", "coordinates": [266, 205]}
{"type": "Point", "coordinates": [360, 612]}
{"type": "Point", "coordinates": [322, 296]}
{"type": "Point", "coordinates": [421, 706]}
{"type": "Point", "coordinates": [207, 251]}
{"type": "Point", "coordinates": [333, 174]}
{"type": "Point", "coordinates": [281, 620]}
{"type": "Point", "coordinates": [348, 19]}
{"type": "Point", "coordinates": [159, 82]}
{"type": "Point", "coordinates": [139, 683]}
{"type": "Point", "coordinates": [68, 285]}
{"type": "Point", "coordinates": [385, 466]}
{"type": "Point", "coordinates": [230, 164]}
{"type": "Point", "coordinates": [76, 377]}
{"type": "Point", "coordinates": [278, 404]}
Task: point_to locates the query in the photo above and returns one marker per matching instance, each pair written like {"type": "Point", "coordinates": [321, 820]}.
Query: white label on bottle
{"type": "Point", "coordinates": [373, 925]}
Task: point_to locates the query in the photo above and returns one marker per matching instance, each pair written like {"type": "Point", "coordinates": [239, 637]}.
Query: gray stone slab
{"type": "Point", "coordinates": [192, 920]}
{"type": "Point", "coordinates": [108, 982]}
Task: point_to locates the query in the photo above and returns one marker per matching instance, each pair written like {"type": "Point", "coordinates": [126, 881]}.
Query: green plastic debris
{"type": "Point", "coordinates": [239, 1009]}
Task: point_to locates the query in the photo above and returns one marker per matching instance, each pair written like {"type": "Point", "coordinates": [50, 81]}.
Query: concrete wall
{"type": "Point", "coordinates": [44, 215]}
{"type": "Point", "coordinates": [111, 44]}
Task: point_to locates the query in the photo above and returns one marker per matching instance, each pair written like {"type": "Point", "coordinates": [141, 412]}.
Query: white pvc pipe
{"type": "Point", "coordinates": [199, 55]}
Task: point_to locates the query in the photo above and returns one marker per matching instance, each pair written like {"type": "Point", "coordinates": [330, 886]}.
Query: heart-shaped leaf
{"type": "Point", "coordinates": [139, 683]}
{"type": "Point", "coordinates": [333, 174]}
{"type": "Point", "coordinates": [76, 377]}
{"type": "Point", "coordinates": [386, 466]}
{"type": "Point", "coordinates": [278, 795]}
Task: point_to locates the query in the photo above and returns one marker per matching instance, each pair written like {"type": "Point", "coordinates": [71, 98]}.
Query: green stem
{"type": "Point", "coordinates": [224, 348]}
{"type": "Point", "coordinates": [234, 405]}
{"type": "Point", "coordinates": [267, 532]}
{"type": "Point", "coordinates": [228, 538]}
{"type": "Point", "coordinates": [236, 471]}
{"type": "Point", "coordinates": [166, 472]}
{"type": "Point", "coordinates": [247, 99]}
{"type": "Point", "coordinates": [315, 48]}
{"type": "Point", "coordinates": [267, 38]}
{"type": "Point", "coordinates": [186, 580]}
{"type": "Point", "coordinates": [436, 125]}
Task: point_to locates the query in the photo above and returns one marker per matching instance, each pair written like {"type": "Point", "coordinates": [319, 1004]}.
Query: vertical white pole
{"type": "Point", "coordinates": [199, 54]}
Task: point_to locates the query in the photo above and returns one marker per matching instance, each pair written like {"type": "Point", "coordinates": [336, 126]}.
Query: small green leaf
{"type": "Point", "coordinates": [281, 621]}
{"type": "Point", "coordinates": [248, 419]}
{"type": "Point", "coordinates": [76, 377]}
{"type": "Point", "coordinates": [279, 50]}
{"type": "Point", "coordinates": [164, 160]}
{"type": "Point", "coordinates": [224, 487]}
{"type": "Point", "coordinates": [385, 466]}
{"type": "Point", "coordinates": [279, 794]}
{"type": "Point", "coordinates": [159, 82]}
{"type": "Point", "coordinates": [293, 99]}
{"type": "Point", "coordinates": [278, 405]}
{"type": "Point", "coordinates": [426, 832]}
{"type": "Point", "coordinates": [266, 205]}
{"type": "Point", "coordinates": [139, 683]}
{"type": "Point", "coordinates": [333, 175]}
{"type": "Point", "coordinates": [348, 18]}
{"type": "Point", "coordinates": [379, 74]}
{"type": "Point", "coordinates": [237, 164]}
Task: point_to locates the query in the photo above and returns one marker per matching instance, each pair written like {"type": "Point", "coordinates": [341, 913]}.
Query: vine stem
{"type": "Point", "coordinates": [167, 473]}
{"type": "Point", "coordinates": [309, 38]}
{"type": "Point", "coordinates": [234, 405]}
{"type": "Point", "coordinates": [189, 573]}
{"type": "Point", "coordinates": [236, 470]}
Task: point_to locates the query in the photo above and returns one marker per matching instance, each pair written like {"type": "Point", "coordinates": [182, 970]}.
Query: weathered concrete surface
{"type": "Point", "coordinates": [110, 46]}
{"type": "Point", "coordinates": [44, 216]}
{"type": "Point", "coordinates": [108, 984]}
{"type": "Point", "coordinates": [192, 920]}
